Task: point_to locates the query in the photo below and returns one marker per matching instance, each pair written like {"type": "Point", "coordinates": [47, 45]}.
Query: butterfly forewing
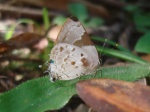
{"type": "Point", "coordinates": [73, 33]}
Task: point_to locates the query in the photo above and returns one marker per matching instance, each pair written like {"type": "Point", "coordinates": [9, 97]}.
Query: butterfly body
{"type": "Point", "coordinates": [74, 54]}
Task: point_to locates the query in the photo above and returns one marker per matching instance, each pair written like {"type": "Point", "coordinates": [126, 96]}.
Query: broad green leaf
{"type": "Point", "coordinates": [143, 44]}
{"type": "Point", "coordinates": [40, 94]}
{"type": "Point", "coordinates": [36, 96]}
{"type": "Point", "coordinates": [78, 10]}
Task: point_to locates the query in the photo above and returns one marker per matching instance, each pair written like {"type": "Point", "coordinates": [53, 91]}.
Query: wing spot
{"type": "Point", "coordinates": [92, 65]}
{"type": "Point", "coordinates": [84, 61]}
{"type": "Point", "coordinates": [61, 49]}
{"type": "Point", "coordinates": [66, 59]}
{"type": "Point", "coordinates": [73, 49]}
{"type": "Point", "coordinates": [81, 54]}
{"type": "Point", "coordinates": [73, 63]}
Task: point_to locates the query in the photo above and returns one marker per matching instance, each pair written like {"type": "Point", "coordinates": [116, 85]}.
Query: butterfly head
{"type": "Point", "coordinates": [53, 74]}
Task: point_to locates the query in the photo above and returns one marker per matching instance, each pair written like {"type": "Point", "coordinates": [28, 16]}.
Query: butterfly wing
{"type": "Point", "coordinates": [74, 53]}
{"type": "Point", "coordinates": [73, 33]}
{"type": "Point", "coordinates": [69, 62]}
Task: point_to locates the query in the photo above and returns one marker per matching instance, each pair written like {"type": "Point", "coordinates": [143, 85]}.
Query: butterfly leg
{"type": "Point", "coordinates": [98, 69]}
{"type": "Point", "coordinates": [80, 77]}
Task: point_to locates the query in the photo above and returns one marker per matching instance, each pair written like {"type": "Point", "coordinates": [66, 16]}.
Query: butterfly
{"type": "Point", "coordinates": [74, 54]}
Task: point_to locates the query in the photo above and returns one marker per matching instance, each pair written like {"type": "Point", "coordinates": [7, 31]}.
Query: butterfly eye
{"type": "Point", "coordinates": [51, 61]}
{"type": "Point", "coordinates": [81, 54]}
{"type": "Point", "coordinates": [52, 76]}
{"type": "Point", "coordinates": [53, 79]}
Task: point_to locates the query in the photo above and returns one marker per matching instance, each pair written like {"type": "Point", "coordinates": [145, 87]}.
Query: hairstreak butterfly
{"type": "Point", "coordinates": [74, 54]}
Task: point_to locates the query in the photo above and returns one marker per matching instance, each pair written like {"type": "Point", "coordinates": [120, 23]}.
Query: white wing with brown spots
{"type": "Point", "coordinates": [74, 54]}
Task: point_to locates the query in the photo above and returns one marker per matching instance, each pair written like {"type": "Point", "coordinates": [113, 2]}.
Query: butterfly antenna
{"type": "Point", "coordinates": [103, 47]}
{"type": "Point", "coordinates": [100, 60]}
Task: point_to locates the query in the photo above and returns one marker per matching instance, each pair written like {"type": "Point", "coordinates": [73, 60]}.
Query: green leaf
{"type": "Point", "coordinates": [114, 44]}
{"type": "Point", "coordinates": [94, 22]}
{"type": "Point", "coordinates": [36, 96]}
{"type": "Point", "coordinates": [121, 54]}
{"type": "Point", "coordinates": [39, 95]}
{"type": "Point", "coordinates": [11, 29]}
{"type": "Point", "coordinates": [46, 18]}
{"type": "Point", "coordinates": [143, 44]}
{"type": "Point", "coordinates": [143, 29]}
{"type": "Point", "coordinates": [142, 19]}
{"type": "Point", "coordinates": [132, 8]}
{"type": "Point", "coordinates": [78, 10]}
{"type": "Point", "coordinates": [59, 20]}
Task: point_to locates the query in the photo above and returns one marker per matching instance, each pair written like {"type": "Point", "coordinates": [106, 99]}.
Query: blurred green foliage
{"type": "Point", "coordinates": [143, 44]}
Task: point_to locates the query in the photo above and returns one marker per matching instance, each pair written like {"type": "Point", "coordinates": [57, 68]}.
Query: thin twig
{"type": "Point", "coordinates": [23, 10]}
